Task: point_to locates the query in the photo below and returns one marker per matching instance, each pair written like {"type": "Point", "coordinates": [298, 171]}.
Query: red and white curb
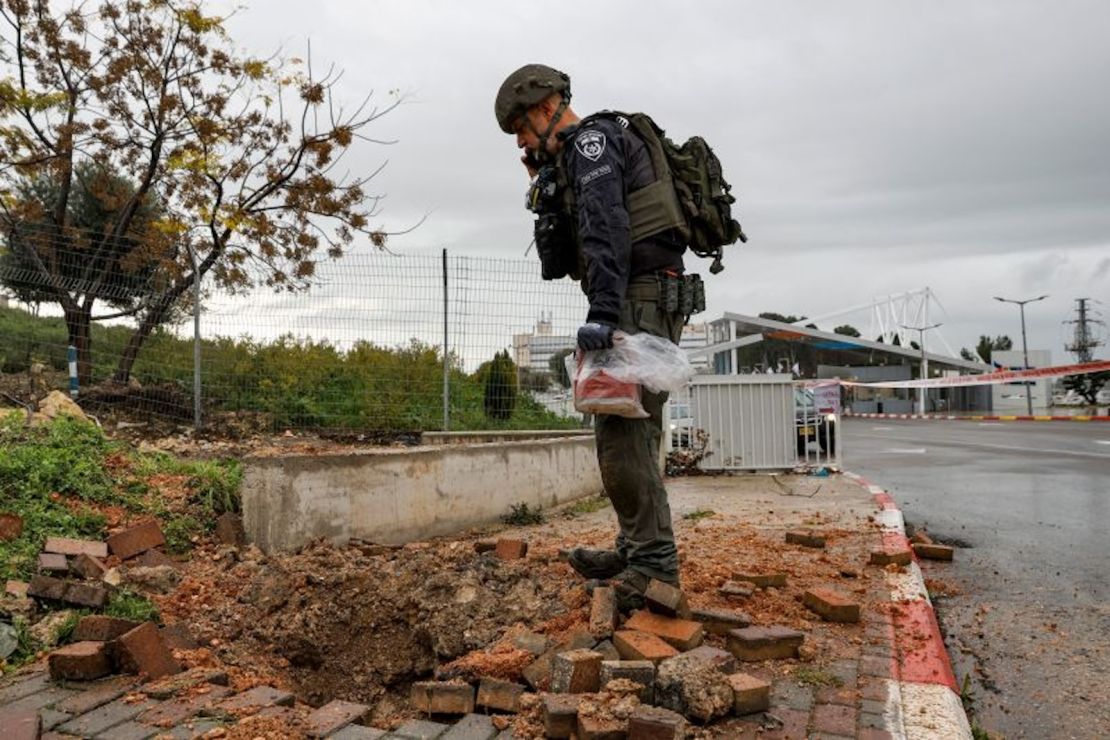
{"type": "Point", "coordinates": [941, 417]}
{"type": "Point", "coordinates": [923, 699]}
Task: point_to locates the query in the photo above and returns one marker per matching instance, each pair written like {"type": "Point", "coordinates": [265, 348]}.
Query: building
{"type": "Point", "coordinates": [1009, 398]}
{"type": "Point", "coordinates": [534, 350]}
{"type": "Point", "coordinates": [695, 336]}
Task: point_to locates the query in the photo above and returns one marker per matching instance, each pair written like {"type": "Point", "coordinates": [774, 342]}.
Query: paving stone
{"type": "Point", "coordinates": [682, 634]}
{"type": "Point", "coordinates": [135, 540]}
{"type": "Point", "coordinates": [764, 643]}
{"type": "Point", "coordinates": [170, 713]}
{"type": "Point", "coordinates": [288, 715]}
{"type": "Point", "coordinates": [607, 650]}
{"type": "Point", "coordinates": [511, 549]}
{"type": "Point", "coordinates": [358, 732]}
{"type": "Point", "coordinates": [641, 646]}
{"type": "Point", "coordinates": [835, 719]}
{"type": "Point", "coordinates": [53, 563]}
{"type": "Point", "coordinates": [762, 580]}
{"type": "Point", "coordinates": [142, 651]}
{"type": "Point", "coordinates": [656, 723]}
{"type": "Point", "coordinates": [933, 552]}
{"type": "Point", "coordinates": [40, 699]}
{"type": "Point", "coordinates": [170, 686]}
{"type": "Point", "coordinates": [750, 694]}
{"type": "Point", "coordinates": [334, 716]}
{"type": "Point", "coordinates": [259, 697]}
{"type": "Point", "coordinates": [20, 725]}
{"type": "Point", "coordinates": [663, 598]}
{"type": "Point", "coordinates": [68, 546]}
{"type": "Point", "coordinates": [870, 733]}
{"type": "Point", "coordinates": [889, 557]}
{"type": "Point", "coordinates": [601, 728]}
{"type": "Point", "coordinates": [603, 612]}
{"type": "Point", "coordinates": [872, 706]}
{"type": "Point", "coordinates": [97, 694]}
{"type": "Point", "coordinates": [576, 672]}
{"type": "Point", "coordinates": [101, 628]}
{"type": "Point", "coordinates": [693, 685]}
{"type": "Point", "coordinates": [80, 661]}
{"type": "Point", "coordinates": [91, 595]}
{"type": "Point", "coordinates": [794, 725]}
{"type": "Point", "coordinates": [193, 729]}
{"type": "Point", "coordinates": [833, 695]}
{"type": "Point", "coordinates": [24, 686]}
{"type": "Point", "coordinates": [471, 727]}
{"type": "Point", "coordinates": [846, 670]}
{"type": "Point", "coordinates": [720, 621]}
{"type": "Point", "coordinates": [560, 715]}
{"type": "Point", "coordinates": [792, 695]}
{"type": "Point", "coordinates": [16, 588]}
{"type": "Point", "coordinates": [87, 567]}
{"type": "Point", "coordinates": [872, 720]}
{"type": "Point", "coordinates": [877, 667]}
{"type": "Point", "coordinates": [637, 671]}
{"type": "Point", "coordinates": [419, 729]}
{"type": "Point", "coordinates": [47, 587]}
{"type": "Point", "coordinates": [504, 696]}
{"type": "Point", "coordinates": [51, 718]}
{"type": "Point", "coordinates": [105, 717]}
{"type": "Point", "coordinates": [805, 539]}
{"type": "Point", "coordinates": [443, 697]}
{"type": "Point", "coordinates": [128, 731]}
{"type": "Point", "coordinates": [735, 590]}
{"type": "Point", "coordinates": [830, 605]}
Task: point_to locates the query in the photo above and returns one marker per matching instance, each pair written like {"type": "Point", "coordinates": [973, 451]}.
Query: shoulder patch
{"type": "Point", "coordinates": [590, 144]}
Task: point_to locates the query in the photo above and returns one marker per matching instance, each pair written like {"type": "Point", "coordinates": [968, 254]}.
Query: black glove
{"type": "Point", "coordinates": [595, 335]}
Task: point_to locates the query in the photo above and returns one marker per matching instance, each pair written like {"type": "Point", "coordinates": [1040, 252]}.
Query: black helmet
{"type": "Point", "coordinates": [524, 88]}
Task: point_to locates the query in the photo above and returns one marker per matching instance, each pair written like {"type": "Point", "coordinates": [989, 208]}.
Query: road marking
{"type": "Point", "coordinates": [881, 429]}
{"type": "Point", "coordinates": [1102, 441]}
{"type": "Point", "coordinates": [905, 451]}
{"type": "Point", "coordinates": [990, 423]}
{"type": "Point", "coordinates": [1011, 448]}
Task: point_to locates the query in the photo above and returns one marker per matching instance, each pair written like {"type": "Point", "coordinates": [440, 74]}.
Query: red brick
{"type": "Point", "coordinates": [485, 546]}
{"type": "Point", "coordinates": [443, 697]}
{"type": "Point", "coordinates": [656, 723]}
{"type": "Point", "coordinates": [11, 527]}
{"type": "Point", "coordinates": [334, 716]}
{"type": "Point", "coordinates": [177, 637]}
{"type": "Point", "coordinates": [576, 672]}
{"type": "Point", "coordinates": [46, 587]}
{"type": "Point", "coordinates": [503, 696]}
{"type": "Point", "coordinates": [50, 562]}
{"type": "Point", "coordinates": [934, 552]}
{"type": "Point", "coordinates": [762, 580]}
{"type": "Point", "coordinates": [641, 646]}
{"type": "Point", "coordinates": [142, 651]}
{"type": "Point", "coordinates": [750, 694]}
{"type": "Point", "coordinates": [833, 695]}
{"type": "Point", "coordinates": [560, 715]}
{"type": "Point", "coordinates": [870, 733]}
{"type": "Point", "coordinates": [511, 549]}
{"type": "Point", "coordinates": [887, 557]}
{"type": "Point", "coordinates": [16, 588]}
{"type": "Point", "coordinates": [735, 590]}
{"type": "Point", "coordinates": [680, 633]}
{"type": "Point", "coordinates": [835, 719]}
{"type": "Point", "coordinates": [81, 661]}
{"type": "Point", "coordinates": [86, 594]}
{"type": "Point", "coordinates": [101, 628]}
{"type": "Point", "coordinates": [921, 537]}
{"type": "Point", "coordinates": [663, 598]}
{"type": "Point", "coordinates": [21, 725]}
{"type": "Point", "coordinates": [67, 546]}
{"type": "Point", "coordinates": [831, 606]}
{"type": "Point", "coordinates": [764, 643]}
{"type": "Point", "coordinates": [601, 728]}
{"type": "Point", "coordinates": [155, 558]}
{"type": "Point", "coordinates": [88, 567]}
{"type": "Point", "coordinates": [720, 621]}
{"type": "Point", "coordinates": [229, 530]}
{"type": "Point", "coordinates": [806, 539]}
{"type": "Point", "coordinates": [641, 672]}
{"type": "Point", "coordinates": [257, 698]}
{"type": "Point", "coordinates": [137, 539]}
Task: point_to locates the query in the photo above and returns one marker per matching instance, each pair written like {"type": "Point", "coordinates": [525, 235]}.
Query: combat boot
{"type": "Point", "coordinates": [630, 586]}
{"type": "Point", "coordinates": [596, 564]}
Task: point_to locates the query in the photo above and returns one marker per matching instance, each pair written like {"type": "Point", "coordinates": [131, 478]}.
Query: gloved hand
{"type": "Point", "coordinates": [595, 335]}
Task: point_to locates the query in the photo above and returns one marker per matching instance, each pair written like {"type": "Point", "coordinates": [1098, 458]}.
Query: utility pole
{"type": "Point", "coordinates": [921, 392]}
{"type": "Point", "coordinates": [1084, 340]}
{"type": "Point", "coordinates": [1024, 345]}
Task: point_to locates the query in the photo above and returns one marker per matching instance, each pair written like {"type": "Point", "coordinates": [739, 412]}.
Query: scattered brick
{"type": "Point", "coordinates": [750, 694]}
{"type": "Point", "coordinates": [21, 725]}
{"type": "Point", "coordinates": [511, 549]}
{"type": "Point", "coordinates": [154, 559]}
{"type": "Point", "coordinates": [720, 621]}
{"type": "Point", "coordinates": [504, 696]}
{"type": "Point", "coordinates": [930, 551]}
{"type": "Point", "coordinates": [11, 527]}
{"type": "Point", "coordinates": [576, 672]}
{"type": "Point", "coordinates": [471, 727]}
{"type": "Point", "coordinates": [723, 660]}
{"type": "Point", "coordinates": [683, 634]}
{"type": "Point", "coordinates": [663, 598]}
{"type": "Point", "coordinates": [443, 697]}
{"type": "Point", "coordinates": [80, 661]}
{"type": "Point", "coordinates": [831, 606]}
{"type": "Point", "coordinates": [50, 562]}
{"type": "Point", "coordinates": [88, 567]}
{"type": "Point", "coordinates": [47, 587]}
{"type": "Point", "coordinates": [538, 673]}
{"type": "Point", "coordinates": [806, 539]}
{"type": "Point", "coordinates": [135, 540]}
{"type": "Point", "coordinates": [735, 590]}
{"type": "Point", "coordinates": [560, 715]}
{"type": "Point", "coordinates": [101, 628]}
{"type": "Point", "coordinates": [637, 671]}
{"type": "Point", "coordinates": [656, 723]}
{"type": "Point", "coordinates": [485, 546]}
{"type": "Point", "coordinates": [595, 727]}
{"type": "Point", "coordinates": [67, 546]}
{"type": "Point", "coordinates": [89, 595]}
{"type": "Point", "coordinates": [257, 698]}
{"type": "Point", "coordinates": [532, 642]}
{"type": "Point", "coordinates": [16, 588]}
{"type": "Point", "coordinates": [693, 685]}
{"type": "Point", "coordinates": [142, 651]}
{"type": "Point", "coordinates": [641, 646]}
{"type": "Point", "coordinates": [764, 643]}
{"type": "Point", "coordinates": [608, 652]}
{"type": "Point", "coordinates": [418, 729]}
{"type": "Point", "coordinates": [173, 685]}
{"type": "Point", "coordinates": [334, 716]}
{"type": "Point", "coordinates": [177, 637]}
{"type": "Point", "coordinates": [603, 612]}
{"type": "Point", "coordinates": [98, 694]}
{"type": "Point", "coordinates": [888, 557]}
{"type": "Point", "coordinates": [762, 580]}
{"type": "Point", "coordinates": [229, 530]}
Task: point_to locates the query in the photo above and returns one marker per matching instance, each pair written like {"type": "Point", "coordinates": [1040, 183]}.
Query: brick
{"type": "Point", "coordinates": [511, 549]}
{"type": "Point", "coordinates": [443, 697]}
{"type": "Point", "coordinates": [229, 529]}
{"type": "Point", "coordinates": [603, 612]}
{"type": "Point", "coordinates": [142, 651]}
{"type": "Point", "coordinates": [67, 546]}
{"type": "Point", "coordinates": [51, 718]}
{"type": "Point", "coordinates": [418, 729]}
{"type": "Point", "coordinates": [720, 621]}
{"type": "Point", "coordinates": [47, 587]}
{"type": "Point", "coordinates": [532, 642]}
{"type": "Point", "coordinates": [921, 537]}
{"type": "Point", "coordinates": [178, 637]}
{"type": "Point", "coordinates": [104, 717]}
{"type": "Point", "coordinates": [255, 699]}
{"type": "Point", "coordinates": [560, 715]}
{"type": "Point", "coordinates": [334, 716]}
{"type": "Point", "coordinates": [22, 725]}
{"type": "Point", "coordinates": [764, 643]}
{"type": "Point", "coordinates": [471, 727]}
{"type": "Point", "coordinates": [485, 546]}
{"type": "Point", "coordinates": [934, 552]}
{"type": "Point", "coordinates": [601, 728]}
{"type": "Point", "coordinates": [102, 628]}
{"type": "Point", "coordinates": [608, 652]}
{"type": "Point", "coordinates": [576, 672]}
{"type": "Point", "coordinates": [154, 559]}
{"type": "Point", "coordinates": [98, 694]}
{"type": "Point", "coordinates": [87, 567]}
{"type": "Point", "coordinates": [723, 660]}
{"type": "Point", "coordinates": [171, 686]}
{"type": "Point", "coordinates": [833, 695]}
{"type": "Point", "coordinates": [538, 673]}
{"type": "Point", "coordinates": [170, 713]}
{"type": "Point", "coordinates": [91, 595]}
{"type": "Point", "coordinates": [682, 634]}
{"type": "Point", "coordinates": [889, 557]}
{"type": "Point", "coordinates": [25, 686]}
{"type": "Point", "coordinates": [16, 588]}
{"type": "Point", "coordinates": [663, 598]}
{"type": "Point", "coordinates": [637, 671]}
{"type": "Point", "coordinates": [50, 562]}
{"type": "Point", "coordinates": [135, 540]}
{"type": "Point", "coordinates": [129, 730]}
{"type": "Point", "coordinates": [641, 646]}
{"type": "Point", "coordinates": [504, 696]}
{"type": "Point", "coordinates": [656, 723]}
{"type": "Point", "coordinates": [693, 685]}
{"type": "Point", "coordinates": [40, 700]}
{"type": "Point", "coordinates": [834, 719]}
{"type": "Point", "coordinates": [735, 590]}
{"type": "Point", "coordinates": [806, 539]}
{"type": "Point", "coordinates": [11, 526]}
{"type": "Point", "coordinates": [830, 605]}
{"type": "Point", "coordinates": [762, 580]}
{"type": "Point", "coordinates": [358, 732]}
{"type": "Point", "coordinates": [749, 694]}
{"type": "Point", "coordinates": [81, 661]}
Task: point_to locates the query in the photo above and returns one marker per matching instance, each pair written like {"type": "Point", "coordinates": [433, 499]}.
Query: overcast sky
{"type": "Point", "coordinates": [876, 147]}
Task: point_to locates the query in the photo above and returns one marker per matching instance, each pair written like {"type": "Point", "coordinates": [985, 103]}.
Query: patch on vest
{"type": "Point", "coordinates": [592, 175]}
{"type": "Point", "coordinates": [590, 144]}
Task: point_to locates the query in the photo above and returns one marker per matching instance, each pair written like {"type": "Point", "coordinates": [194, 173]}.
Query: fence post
{"type": "Point", "coordinates": [446, 367]}
{"type": "Point", "coordinates": [196, 337]}
{"type": "Point", "coordinates": [71, 360]}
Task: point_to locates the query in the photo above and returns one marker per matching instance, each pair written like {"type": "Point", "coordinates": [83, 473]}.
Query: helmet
{"type": "Point", "coordinates": [524, 88]}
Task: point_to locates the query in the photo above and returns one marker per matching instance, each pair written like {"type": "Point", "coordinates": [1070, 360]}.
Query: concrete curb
{"type": "Point", "coordinates": [939, 417]}
{"type": "Point", "coordinates": [923, 698]}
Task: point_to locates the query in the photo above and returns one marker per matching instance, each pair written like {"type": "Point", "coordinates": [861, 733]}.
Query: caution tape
{"type": "Point", "coordinates": [999, 377]}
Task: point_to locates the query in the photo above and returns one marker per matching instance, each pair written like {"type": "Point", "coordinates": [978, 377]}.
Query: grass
{"type": "Point", "coordinates": [522, 515]}
{"type": "Point", "coordinates": [588, 505]}
{"type": "Point", "coordinates": [126, 604]}
{"type": "Point", "coordinates": [698, 515]}
{"type": "Point", "coordinates": [816, 677]}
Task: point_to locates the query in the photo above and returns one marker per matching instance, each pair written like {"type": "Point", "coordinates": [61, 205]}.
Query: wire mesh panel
{"type": "Point", "coordinates": [749, 420]}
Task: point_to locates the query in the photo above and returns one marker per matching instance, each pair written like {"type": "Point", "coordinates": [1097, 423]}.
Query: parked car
{"type": "Point", "coordinates": [811, 425]}
{"type": "Point", "coordinates": [681, 425]}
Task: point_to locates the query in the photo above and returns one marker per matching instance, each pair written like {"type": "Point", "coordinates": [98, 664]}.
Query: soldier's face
{"type": "Point", "coordinates": [527, 129]}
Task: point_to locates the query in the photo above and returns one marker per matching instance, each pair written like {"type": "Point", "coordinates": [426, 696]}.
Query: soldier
{"type": "Point", "coordinates": [599, 161]}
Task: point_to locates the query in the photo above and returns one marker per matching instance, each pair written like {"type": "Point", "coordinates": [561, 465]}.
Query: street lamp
{"type": "Point", "coordinates": [1024, 346]}
{"type": "Point", "coordinates": [924, 362]}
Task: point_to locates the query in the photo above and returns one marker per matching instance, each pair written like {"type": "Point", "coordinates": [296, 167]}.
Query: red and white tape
{"type": "Point", "coordinates": [996, 378]}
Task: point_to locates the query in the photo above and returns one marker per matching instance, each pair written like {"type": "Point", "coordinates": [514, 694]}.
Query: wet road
{"type": "Point", "coordinates": [1029, 616]}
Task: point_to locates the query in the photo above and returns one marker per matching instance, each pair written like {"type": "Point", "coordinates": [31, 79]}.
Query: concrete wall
{"type": "Point", "coordinates": [395, 496]}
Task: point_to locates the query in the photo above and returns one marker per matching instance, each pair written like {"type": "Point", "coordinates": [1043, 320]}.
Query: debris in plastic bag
{"type": "Point", "coordinates": [608, 381]}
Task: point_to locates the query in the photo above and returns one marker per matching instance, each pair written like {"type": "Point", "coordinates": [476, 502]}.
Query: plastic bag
{"type": "Point", "coordinates": [608, 381]}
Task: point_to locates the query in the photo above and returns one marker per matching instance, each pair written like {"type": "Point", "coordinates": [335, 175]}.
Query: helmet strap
{"type": "Point", "coordinates": [543, 154]}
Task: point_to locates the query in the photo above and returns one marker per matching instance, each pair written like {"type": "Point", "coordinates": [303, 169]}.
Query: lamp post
{"type": "Point", "coordinates": [924, 362]}
{"type": "Point", "coordinates": [1024, 346]}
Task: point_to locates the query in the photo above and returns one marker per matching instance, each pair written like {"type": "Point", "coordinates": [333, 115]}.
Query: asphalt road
{"type": "Point", "coordinates": [1028, 618]}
